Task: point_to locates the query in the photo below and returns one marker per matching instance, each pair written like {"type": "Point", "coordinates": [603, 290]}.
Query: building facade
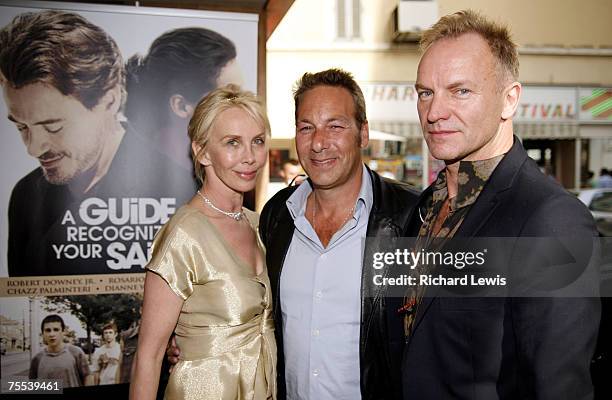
{"type": "Point", "coordinates": [565, 49]}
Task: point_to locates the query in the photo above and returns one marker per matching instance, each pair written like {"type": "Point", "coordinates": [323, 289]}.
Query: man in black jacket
{"type": "Point", "coordinates": [335, 339]}
{"type": "Point", "coordinates": [536, 342]}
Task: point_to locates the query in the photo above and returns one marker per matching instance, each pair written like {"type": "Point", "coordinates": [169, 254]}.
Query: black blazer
{"type": "Point", "coordinates": [504, 347]}
{"type": "Point", "coordinates": [381, 339]}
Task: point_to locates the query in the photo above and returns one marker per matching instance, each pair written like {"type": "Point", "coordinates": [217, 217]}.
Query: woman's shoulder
{"type": "Point", "coordinates": [186, 218]}
{"type": "Point", "coordinates": [252, 217]}
{"type": "Point", "coordinates": [186, 221]}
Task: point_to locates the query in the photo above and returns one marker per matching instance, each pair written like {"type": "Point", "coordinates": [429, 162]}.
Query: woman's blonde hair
{"type": "Point", "coordinates": [208, 110]}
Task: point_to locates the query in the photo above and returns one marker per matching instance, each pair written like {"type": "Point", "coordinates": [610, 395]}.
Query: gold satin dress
{"type": "Point", "coordinates": [225, 329]}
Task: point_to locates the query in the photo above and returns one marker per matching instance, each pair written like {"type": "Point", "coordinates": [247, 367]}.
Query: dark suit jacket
{"type": "Point", "coordinates": [510, 347]}
{"type": "Point", "coordinates": [381, 339]}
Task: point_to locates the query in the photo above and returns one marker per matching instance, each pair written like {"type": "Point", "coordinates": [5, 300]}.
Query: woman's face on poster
{"type": "Point", "coordinates": [230, 73]}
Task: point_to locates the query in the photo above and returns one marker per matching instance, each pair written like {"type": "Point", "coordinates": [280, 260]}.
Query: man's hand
{"type": "Point", "coordinates": [172, 352]}
{"type": "Point", "coordinates": [103, 360]}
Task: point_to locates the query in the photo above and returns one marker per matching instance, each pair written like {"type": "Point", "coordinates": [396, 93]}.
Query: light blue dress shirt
{"type": "Point", "coordinates": [320, 292]}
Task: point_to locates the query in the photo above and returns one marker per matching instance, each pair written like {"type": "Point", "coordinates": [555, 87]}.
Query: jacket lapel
{"type": "Point", "coordinates": [384, 228]}
{"type": "Point", "coordinates": [375, 230]}
{"type": "Point", "coordinates": [279, 235]}
{"type": "Point", "coordinates": [500, 181]}
{"type": "Point", "coordinates": [480, 212]}
{"type": "Point", "coordinates": [415, 225]}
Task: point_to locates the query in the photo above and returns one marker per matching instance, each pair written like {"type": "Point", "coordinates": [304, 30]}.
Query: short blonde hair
{"type": "Point", "coordinates": [208, 110]}
{"type": "Point", "coordinates": [496, 35]}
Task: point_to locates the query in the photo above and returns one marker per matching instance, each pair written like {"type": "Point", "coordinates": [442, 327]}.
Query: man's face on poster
{"type": "Point", "coordinates": [53, 334]}
{"type": "Point", "coordinates": [109, 335]}
{"type": "Point", "coordinates": [66, 137]}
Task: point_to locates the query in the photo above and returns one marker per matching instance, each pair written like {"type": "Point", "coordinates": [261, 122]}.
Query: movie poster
{"type": "Point", "coordinates": [95, 158]}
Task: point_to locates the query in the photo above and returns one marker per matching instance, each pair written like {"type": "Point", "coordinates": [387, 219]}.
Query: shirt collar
{"type": "Point", "coordinates": [296, 203]}
{"type": "Point", "coordinates": [471, 179]}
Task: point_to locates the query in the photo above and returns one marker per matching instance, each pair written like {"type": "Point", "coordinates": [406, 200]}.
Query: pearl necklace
{"type": "Point", "coordinates": [350, 213]}
{"type": "Point", "coordinates": [237, 216]}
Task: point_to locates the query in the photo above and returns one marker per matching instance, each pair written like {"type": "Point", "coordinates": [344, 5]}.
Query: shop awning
{"type": "Point", "coordinates": [407, 130]}
{"type": "Point", "coordinates": [546, 131]}
{"type": "Point", "coordinates": [380, 135]}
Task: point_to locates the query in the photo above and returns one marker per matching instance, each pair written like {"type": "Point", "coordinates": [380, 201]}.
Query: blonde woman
{"type": "Point", "coordinates": [207, 280]}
